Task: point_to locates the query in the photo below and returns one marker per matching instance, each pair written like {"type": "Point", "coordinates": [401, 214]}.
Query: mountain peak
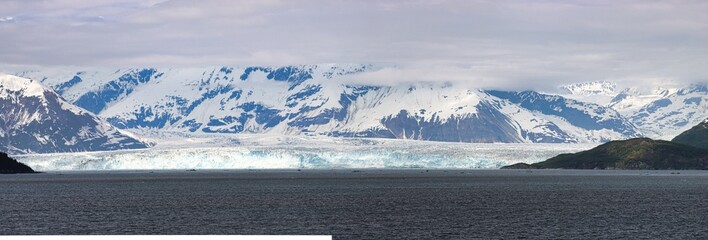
{"type": "Point", "coordinates": [590, 88]}
{"type": "Point", "coordinates": [12, 84]}
{"type": "Point", "coordinates": [36, 119]}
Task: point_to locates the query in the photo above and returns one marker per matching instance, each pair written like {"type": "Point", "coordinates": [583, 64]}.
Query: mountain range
{"type": "Point", "coordinates": [325, 100]}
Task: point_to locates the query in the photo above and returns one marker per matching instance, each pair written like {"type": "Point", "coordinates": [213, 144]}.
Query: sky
{"type": "Point", "coordinates": [485, 43]}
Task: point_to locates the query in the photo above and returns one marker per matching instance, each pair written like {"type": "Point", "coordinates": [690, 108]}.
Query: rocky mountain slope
{"type": "Point", "coordinates": [35, 119]}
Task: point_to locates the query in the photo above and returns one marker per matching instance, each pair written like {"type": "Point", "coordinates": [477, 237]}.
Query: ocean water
{"type": "Point", "coordinates": [362, 204]}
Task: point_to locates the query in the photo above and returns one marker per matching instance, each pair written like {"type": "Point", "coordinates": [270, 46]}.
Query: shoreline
{"type": "Point", "coordinates": [366, 173]}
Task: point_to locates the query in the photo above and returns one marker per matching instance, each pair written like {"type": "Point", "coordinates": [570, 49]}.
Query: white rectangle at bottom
{"type": "Point", "coordinates": [169, 237]}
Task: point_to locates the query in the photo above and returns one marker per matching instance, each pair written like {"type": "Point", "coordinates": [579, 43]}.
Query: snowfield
{"type": "Point", "coordinates": [219, 151]}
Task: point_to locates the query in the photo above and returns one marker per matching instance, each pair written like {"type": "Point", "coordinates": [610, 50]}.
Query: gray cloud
{"type": "Point", "coordinates": [505, 44]}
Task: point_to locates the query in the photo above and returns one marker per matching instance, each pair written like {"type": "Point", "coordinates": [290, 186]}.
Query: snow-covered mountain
{"type": "Point", "coordinates": [676, 112]}
{"type": "Point", "coordinates": [36, 120]}
{"type": "Point", "coordinates": [590, 88]}
{"type": "Point", "coordinates": [326, 100]}
{"type": "Point", "coordinates": [602, 123]}
{"type": "Point", "coordinates": [600, 92]}
{"type": "Point", "coordinates": [658, 113]}
{"type": "Point", "coordinates": [630, 100]}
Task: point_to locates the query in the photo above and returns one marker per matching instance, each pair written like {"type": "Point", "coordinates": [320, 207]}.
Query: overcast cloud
{"type": "Point", "coordinates": [493, 44]}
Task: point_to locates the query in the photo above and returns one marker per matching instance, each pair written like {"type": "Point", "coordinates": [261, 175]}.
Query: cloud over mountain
{"type": "Point", "coordinates": [511, 43]}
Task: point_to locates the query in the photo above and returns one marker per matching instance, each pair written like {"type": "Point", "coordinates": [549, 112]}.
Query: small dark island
{"type": "Point", "coordinates": [519, 166]}
{"type": "Point", "coordinates": [10, 165]}
{"type": "Point", "coordinates": [688, 151]}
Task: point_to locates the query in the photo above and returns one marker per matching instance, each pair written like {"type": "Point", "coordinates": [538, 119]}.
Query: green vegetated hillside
{"type": "Point", "coordinates": [696, 136]}
{"type": "Point", "coordinates": [689, 150]}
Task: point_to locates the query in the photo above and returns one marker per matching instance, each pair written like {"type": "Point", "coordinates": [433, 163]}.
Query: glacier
{"type": "Point", "coordinates": [300, 152]}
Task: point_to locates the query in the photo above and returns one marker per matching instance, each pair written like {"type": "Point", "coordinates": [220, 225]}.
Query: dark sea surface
{"type": "Point", "coordinates": [362, 204]}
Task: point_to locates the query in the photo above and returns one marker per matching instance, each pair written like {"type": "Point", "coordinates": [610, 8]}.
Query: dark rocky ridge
{"type": "Point", "coordinates": [10, 165]}
{"type": "Point", "coordinates": [519, 166]}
